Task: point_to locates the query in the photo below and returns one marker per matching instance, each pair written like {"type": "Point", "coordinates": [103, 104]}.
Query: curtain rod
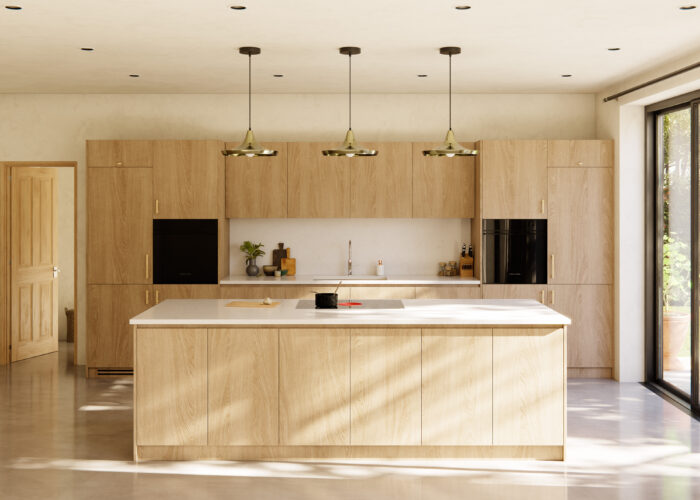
{"type": "Point", "coordinates": [652, 82]}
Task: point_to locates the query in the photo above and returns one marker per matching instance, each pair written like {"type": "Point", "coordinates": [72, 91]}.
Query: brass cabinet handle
{"type": "Point", "coordinates": [147, 270]}
{"type": "Point", "coordinates": [157, 297]}
{"type": "Point", "coordinates": [551, 297]}
{"type": "Point", "coordinates": [157, 208]}
{"type": "Point", "coordinates": [551, 275]}
{"type": "Point", "coordinates": [542, 296]}
{"type": "Point", "coordinates": [148, 299]}
{"type": "Point", "coordinates": [542, 207]}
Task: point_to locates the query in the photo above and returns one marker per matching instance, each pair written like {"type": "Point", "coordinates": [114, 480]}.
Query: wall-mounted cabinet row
{"type": "Point", "coordinates": [349, 387]}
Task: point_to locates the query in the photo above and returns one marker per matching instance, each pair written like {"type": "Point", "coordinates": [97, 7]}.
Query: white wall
{"type": "Point", "coordinates": [65, 218]}
{"type": "Point", "coordinates": [55, 126]}
{"type": "Point", "coordinates": [624, 121]}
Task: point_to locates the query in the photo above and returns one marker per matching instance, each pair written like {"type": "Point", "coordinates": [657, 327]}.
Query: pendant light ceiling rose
{"type": "Point", "coordinates": [450, 147]}
{"type": "Point", "coordinates": [249, 147]}
{"type": "Point", "coordinates": [349, 148]}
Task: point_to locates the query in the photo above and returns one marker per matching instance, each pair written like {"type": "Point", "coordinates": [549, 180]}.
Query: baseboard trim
{"type": "Point", "coordinates": [589, 372]}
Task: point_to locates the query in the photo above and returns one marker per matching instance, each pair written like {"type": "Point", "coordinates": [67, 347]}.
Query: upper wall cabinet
{"type": "Point", "coordinates": [257, 187]}
{"type": "Point", "coordinates": [119, 154]}
{"type": "Point", "coordinates": [319, 186]}
{"type": "Point", "coordinates": [188, 179]}
{"type": "Point", "coordinates": [380, 186]}
{"type": "Point", "coordinates": [120, 228]}
{"type": "Point", "coordinates": [442, 187]}
{"type": "Point", "coordinates": [583, 153]}
{"type": "Point", "coordinates": [513, 179]}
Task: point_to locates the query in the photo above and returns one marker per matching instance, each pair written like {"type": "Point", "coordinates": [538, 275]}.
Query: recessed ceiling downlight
{"type": "Point", "coordinates": [566, 76]}
{"type": "Point", "coordinates": [463, 7]}
{"type": "Point", "coordinates": [134, 76]}
{"type": "Point", "coordinates": [87, 49]}
{"type": "Point", "coordinates": [13, 7]}
{"type": "Point", "coordinates": [687, 7]}
{"type": "Point", "coordinates": [422, 76]}
{"type": "Point", "coordinates": [614, 49]}
{"type": "Point", "coordinates": [239, 7]}
{"type": "Point", "coordinates": [278, 75]}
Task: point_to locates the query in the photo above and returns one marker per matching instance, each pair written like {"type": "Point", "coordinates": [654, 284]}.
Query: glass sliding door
{"type": "Point", "coordinates": [673, 243]}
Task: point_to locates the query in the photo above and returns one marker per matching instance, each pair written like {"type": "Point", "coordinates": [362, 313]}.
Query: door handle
{"type": "Point", "coordinates": [551, 274]}
{"type": "Point", "coordinates": [157, 207]}
{"type": "Point", "coordinates": [147, 260]}
{"type": "Point", "coordinates": [148, 299]}
{"type": "Point", "coordinates": [551, 297]}
{"type": "Point", "coordinates": [157, 297]}
{"type": "Point", "coordinates": [56, 270]}
{"type": "Point", "coordinates": [542, 296]}
{"type": "Point", "coordinates": [542, 207]}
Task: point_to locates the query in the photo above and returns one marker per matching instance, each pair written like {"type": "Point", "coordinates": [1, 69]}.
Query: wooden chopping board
{"type": "Point", "coordinates": [240, 303]}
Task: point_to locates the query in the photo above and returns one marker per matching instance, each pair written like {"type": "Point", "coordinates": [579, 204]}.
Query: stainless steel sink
{"type": "Point", "coordinates": [339, 277]}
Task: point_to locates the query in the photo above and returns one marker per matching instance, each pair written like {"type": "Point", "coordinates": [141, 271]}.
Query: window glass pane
{"type": "Point", "coordinates": [673, 135]}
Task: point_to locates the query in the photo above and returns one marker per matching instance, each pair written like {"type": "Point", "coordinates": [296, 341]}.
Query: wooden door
{"type": "Point", "coordinates": [170, 398]}
{"type": "Point", "coordinates": [120, 227]}
{"type": "Point", "coordinates": [188, 179]}
{"type": "Point", "coordinates": [314, 386]}
{"type": "Point", "coordinates": [257, 187]}
{"type": "Point", "coordinates": [243, 387]}
{"type": "Point", "coordinates": [109, 335]}
{"type": "Point", "coordinates": [385, 385]}
{"type": "Point", "coordinates": [119, 154]}
{"type": "Point", "coordinates": [34, 260]}
{"type": "Point", "coordinates": [532, 292]}
{"type": "Point", "coordinates": [319, 186]}
{"type": "Point", "coordinates": [580, 153]}
{"type": "Point", "coordinates": [514, 179]}
{"type": "Point", "coordinates": [580, 226]}
{"type": "Point", "coordinates": [590, 336]}
{"type": "Point", "coordinates": [381, 186]}
{"type": "Point", "coordinates": [456, 378]}
{"type": "Point", "coordinates": [442, 187]}
{"type": "Point", "coordinates": [529, 387]}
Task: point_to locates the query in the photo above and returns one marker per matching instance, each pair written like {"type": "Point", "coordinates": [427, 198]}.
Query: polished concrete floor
{"type": "Point", "coordinates": [65, 437]}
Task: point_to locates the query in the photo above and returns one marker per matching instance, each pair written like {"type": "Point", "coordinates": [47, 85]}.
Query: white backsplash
{"type": "Point", "coordinates": [407, 246]}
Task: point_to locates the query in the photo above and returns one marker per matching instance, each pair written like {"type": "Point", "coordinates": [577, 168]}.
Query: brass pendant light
{"type": "Point", "coordinates": [349, 147]}
{"type": "Point", "coordinates": [450, 147]}
{"type": "Point", "coordinates": [249, 147]}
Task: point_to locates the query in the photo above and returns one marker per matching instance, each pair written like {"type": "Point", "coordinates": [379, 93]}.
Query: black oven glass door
{"type": "Point", "coordinates": [185, 251]}
{"type": "Point", "coordinates": [515, 251]}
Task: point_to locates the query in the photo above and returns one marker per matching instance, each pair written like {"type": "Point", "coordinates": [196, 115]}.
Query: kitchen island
{"type": "Point", "coordinates": [407, 379]}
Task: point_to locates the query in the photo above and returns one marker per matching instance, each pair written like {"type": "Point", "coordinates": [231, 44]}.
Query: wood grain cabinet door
{"type": "Point", "coordinates": [457, 385]}
{"type": "Point", "coordinates": [243, 387]}
{"type": "Point", "coordinates": [171, 387]}
{"type": "Point", "coordinates": [532, 292]}
{"type": "Point", "coordinates": [165, 292]}
{"type": "Point", "coordinates": [381, 186]}
{"type": "Point", "coordinates": [314, 385]}
{"type": "Point", "coordinates": [188, 179]}
{"type": "Point", "coordinates": [580, 226]}
{"type": "Point", "coordinates": [256, 188]}
{"type": "Point", "coordinates": [580, 153]}
{"type": "Point", "coordinates": [119, 153]}
{"type": "Point", "coordinates": [385, 381]}
{"type": "Point", "coordinates": [514, 179]}
{"type": "Point", "coordinates": [590, 336]}
{"type": "Point", "coordinates": [319, 186]}
{"type": "Point", "coordinates": [109, 335]}
{"type": "Point", "coordinates": [120, 227]}
{"type": "Point", "coordinates": [443, 187]}
{"type": "Point", "coordinates": [528, 387]}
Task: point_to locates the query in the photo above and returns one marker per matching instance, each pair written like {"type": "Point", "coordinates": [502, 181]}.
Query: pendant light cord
{"type": "Point", "coordinates": [249, 90]}
{"type": "Point", "coordinates": [349, 91]}
{"type": "Point", "coordinates": [450, 112]}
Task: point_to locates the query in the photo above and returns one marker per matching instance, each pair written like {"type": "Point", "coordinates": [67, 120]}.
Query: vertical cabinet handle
{"type": "Point", "coordinates": [157, 297]}
{"type": "Point", "coordinates": [147, 266]}
{"type": "Point", "coordinates": [551, 274]}
{"type": "Point", "coordinates": [542, 207]}
{"type": "Point", "coordinates": [551, 297]}
{"type": "Point", "coordinates": [542, 296]}
{"type": "Point", "coordinates": [148, 298]}
{"type": "Point", "coordinates": [157, 208]}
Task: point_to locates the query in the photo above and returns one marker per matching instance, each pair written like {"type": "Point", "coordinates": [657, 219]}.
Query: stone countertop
{"type": "Point", "coordinates": [391, 280]}
{"type": "Point", "coordinates": [452, 312]}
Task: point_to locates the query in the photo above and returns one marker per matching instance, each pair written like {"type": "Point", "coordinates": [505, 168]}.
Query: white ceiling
{"type": "Point", "coordinates": [190, 46]}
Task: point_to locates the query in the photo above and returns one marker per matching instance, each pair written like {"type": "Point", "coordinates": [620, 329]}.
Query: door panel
{"type": "Point", "coordinates": [119, 154]}
{"type": "Point", "coordinates": [580, 153]}
{"type": "Point", "coordinates": [532, 292]}
{"type": "Point", "coordinates": [34, 289]}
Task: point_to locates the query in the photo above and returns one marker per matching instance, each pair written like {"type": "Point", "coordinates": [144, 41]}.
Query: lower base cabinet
{"type": "Point", "coordinates": [171, 387]}
{"type": "Point", "coordinates": [529, 387]}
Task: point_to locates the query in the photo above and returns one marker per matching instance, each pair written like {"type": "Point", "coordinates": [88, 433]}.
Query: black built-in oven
{"type": "Point", "coordinates": [185, 251]}
{"type": "Point", "coordinates": [514, 251]}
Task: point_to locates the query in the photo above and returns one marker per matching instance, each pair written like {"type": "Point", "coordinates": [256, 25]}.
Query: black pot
{"type": "Point", "coordinates": [326, 301]}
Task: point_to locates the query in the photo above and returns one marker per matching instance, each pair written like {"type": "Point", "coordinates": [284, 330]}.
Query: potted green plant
{"type": "Point", "coordinates": [676, 300]}
{"type": "Point", "coordinates": [252, 251]}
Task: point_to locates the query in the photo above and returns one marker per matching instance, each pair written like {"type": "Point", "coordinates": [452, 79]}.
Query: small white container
{"type": "Point", "coordinates": [380, 268]}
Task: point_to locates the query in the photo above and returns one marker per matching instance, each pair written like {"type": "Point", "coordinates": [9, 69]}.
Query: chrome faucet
{"type": "Point", "coordinates": [349, 257]}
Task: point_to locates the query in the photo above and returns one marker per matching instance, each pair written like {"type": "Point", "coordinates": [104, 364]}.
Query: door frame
{"type": "Point", "coordinates": [5, 249]}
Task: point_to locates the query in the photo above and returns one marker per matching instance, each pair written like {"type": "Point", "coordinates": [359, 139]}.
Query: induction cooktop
{"type": "Point", "coordinates": [356, 304]}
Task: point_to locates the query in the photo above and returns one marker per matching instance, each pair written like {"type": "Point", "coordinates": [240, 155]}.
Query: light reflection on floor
{"type": "Point", "coordinates": [62, 436]}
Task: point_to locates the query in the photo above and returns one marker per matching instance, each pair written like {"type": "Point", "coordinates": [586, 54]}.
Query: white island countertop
{"type": "Point", "coordinates": [414, 313]}
{"type": "Point", "coordinates": [391, 280]}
